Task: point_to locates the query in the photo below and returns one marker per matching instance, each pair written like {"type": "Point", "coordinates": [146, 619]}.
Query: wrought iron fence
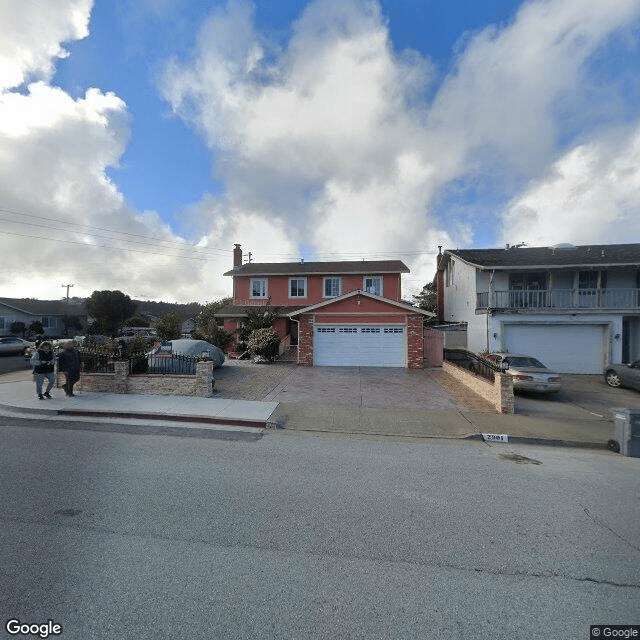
{"type": "Point", "coordinates": [473, 363]}
{"type": "Point", "coordinates": [162, 363]}
{"type": "Point", "coordinates": [94, 361]}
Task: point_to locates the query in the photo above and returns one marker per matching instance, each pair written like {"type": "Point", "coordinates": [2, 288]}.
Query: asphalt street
{"type": "Point", "coordinates": [124, 536]}
{"type": "Point", "coordinates": [12, 363]}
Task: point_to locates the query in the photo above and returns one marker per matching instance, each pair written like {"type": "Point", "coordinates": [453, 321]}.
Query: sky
{"type": "Point", "coordinates": [141, 139]}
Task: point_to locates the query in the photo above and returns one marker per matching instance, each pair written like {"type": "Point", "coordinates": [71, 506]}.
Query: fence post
{"type": "Point", "coordinates": [120, 374]}
{"type": "Point", "coordinates": [204, 378]}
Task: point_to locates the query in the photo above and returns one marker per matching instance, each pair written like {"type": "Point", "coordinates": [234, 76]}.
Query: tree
{"type": "Point", "coordinates": [110, 309]}
{"type": "Point", "coordinates": [265, 343]}
{"type": "Point", "coordinates": [427, 299]}
{"type": "Point", "coordinates": [135, 321]}
{"type": "Point", "coordinates": [262, 318]}
{"type": "Point", "coordinates": [36, 328]}
{"type": "Point", "coordinates": [170, 327]}
{"type": "Point", "coordinates": [18, 328]}
{"type": "Point", "coordinates": [71, 322]}
{"type": "Point", "coordinates": [205, 320]}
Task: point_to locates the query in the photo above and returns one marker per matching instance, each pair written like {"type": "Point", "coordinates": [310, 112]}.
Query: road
{"type": "Point", "coordinates": [12, 363]}
{"type": "Point", "coordinates": [125, 536]}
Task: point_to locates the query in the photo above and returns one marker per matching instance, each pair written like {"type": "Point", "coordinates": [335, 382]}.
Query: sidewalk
{"type": "Point", "coordinates": [17, 396]}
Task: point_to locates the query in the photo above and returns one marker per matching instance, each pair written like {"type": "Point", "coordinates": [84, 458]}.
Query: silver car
{"type": "Point", "coordinates": [529, 374]}
{"type": "Point", "coordinates": [623, 375]}
{"type": "Point", "coordinates": [13, 345]}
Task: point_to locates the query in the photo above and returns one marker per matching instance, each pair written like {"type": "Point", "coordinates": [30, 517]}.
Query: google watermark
{"type": "Point", "coordinates": [46, 629]}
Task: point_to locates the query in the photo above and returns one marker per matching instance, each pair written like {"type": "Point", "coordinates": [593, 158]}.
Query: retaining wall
{"type": "Point", "coordinates": [499, 392]}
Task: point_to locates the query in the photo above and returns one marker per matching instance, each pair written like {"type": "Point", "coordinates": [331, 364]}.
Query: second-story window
{"type": "Point", "coordinates": [258, 288]}
{"type": "Point", "coordinates": [331, 287]}
{"type": "Point", "coordinates": [297, 287]}
{"type": "Point", "coordinates": [373, 284]}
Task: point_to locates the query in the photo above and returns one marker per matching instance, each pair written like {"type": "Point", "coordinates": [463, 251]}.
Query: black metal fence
{"type": "Point", "coordinates": [473, 363]}
{"type": "Point", "coordinates": [162, 363]}
{"type": "Point", "coordinates": [93, 361]}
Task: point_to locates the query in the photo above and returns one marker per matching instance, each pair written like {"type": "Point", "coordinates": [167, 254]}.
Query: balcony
{"type": "Point", "coordinates": [560, 299]}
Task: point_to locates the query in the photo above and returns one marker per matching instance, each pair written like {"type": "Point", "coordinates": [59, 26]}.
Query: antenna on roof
{"type": "Point", "coordinates": [249, 257]}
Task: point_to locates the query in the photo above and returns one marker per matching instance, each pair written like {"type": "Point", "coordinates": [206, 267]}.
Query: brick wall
{"type": "Point", "coordinates": [200, 384]}
{"type": "Point", "coordinates": [305, 341]}
{"type": "Point", "coordinates": [415, 342]}
{"type": "Point", "coordinates": [499, 392]}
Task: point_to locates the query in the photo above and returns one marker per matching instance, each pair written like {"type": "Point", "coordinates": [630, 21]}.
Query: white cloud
{"type": "Point", "coordinates": [32, 33]}
{"type": "Point", "coordinates": [591, 195]}
{"type": "Point", "coordinates": [331, 133]}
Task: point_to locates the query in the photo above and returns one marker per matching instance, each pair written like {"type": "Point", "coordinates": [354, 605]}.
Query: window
{"type": "Point", "coordinates": [326, 330]}
{"type": "Point", "coordinates": [370, 330]}
{"type": "Point", "coordinates": [258, 288]}
{"type": "Point", "coordinates": [2, 322]}
{"type": "Point", "coordinates": [46, 322]}
{"type": "Point", "coordinates": [297, 287]}
{"type": "Point", "coordinates": [373, 284]}
{"type": "Point", "coordinates": [394, 330]}
{"type": "Point", "coordinates": [348, 330]}
{"type": "Point", "coordinates": [332, 287]}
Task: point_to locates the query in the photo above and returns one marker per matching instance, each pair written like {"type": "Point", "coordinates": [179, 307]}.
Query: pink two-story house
{"type": "Point", "coordinates": [336, 313]}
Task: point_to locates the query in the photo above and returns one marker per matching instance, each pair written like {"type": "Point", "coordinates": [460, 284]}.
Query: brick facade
{"type": "Point", "coordinates": [499, 392]}
{"type": "Point", "coordinates": [305, 341]}
{"type": "Point", "coordinates": [415, 342]}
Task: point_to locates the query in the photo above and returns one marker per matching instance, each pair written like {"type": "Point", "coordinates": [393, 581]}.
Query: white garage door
{"type": "Point", "coordinates": [567, 349]}
{"type": "Point", "coordinates": [358, 346]}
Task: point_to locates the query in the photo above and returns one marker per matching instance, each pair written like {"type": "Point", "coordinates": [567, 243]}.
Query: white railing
{"type": "Point", "coordinates": [560, 299]}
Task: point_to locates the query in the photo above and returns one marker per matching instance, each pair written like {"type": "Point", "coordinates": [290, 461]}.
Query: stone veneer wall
{"type": "Point", "coordinates": [200, 384]}
{"type": "Point", "coordinates": [499, 392]}
{"type": "Point", "coordinates": [415, 342]}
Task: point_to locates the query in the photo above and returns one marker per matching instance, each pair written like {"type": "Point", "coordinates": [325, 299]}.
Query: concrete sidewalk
{"type": "Point", "coordinates": [291, 417]}
{"type": "Point", "coordinates": [17, 395]}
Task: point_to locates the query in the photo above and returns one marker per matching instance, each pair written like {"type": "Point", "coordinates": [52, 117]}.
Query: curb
{"type": "Point", "coordinates": [86, 413]}
{"type": "Point", "coordinates": [542, 441]}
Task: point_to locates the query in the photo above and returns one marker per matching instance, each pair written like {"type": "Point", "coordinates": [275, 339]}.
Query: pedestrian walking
{"type": "Point", "coordinates": [44, 364]}
{"type": "Point", "coordinates": [69, 364]}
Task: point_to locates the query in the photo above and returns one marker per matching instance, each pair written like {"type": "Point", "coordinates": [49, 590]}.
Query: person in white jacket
{"type": "Point", "coordinates": [44, 364]}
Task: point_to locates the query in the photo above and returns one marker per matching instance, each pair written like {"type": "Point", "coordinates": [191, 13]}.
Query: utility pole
{"type": "Point", "coordinates": [66, 324]}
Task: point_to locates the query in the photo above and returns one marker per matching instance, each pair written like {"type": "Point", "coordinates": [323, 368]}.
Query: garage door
{"type": "Point", "coordinates": [358, 346]}
{"type": "Point", "coordinates": [567, 349]}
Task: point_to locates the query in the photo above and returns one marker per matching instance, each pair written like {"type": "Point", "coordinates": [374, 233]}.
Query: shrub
{"type": "Point", "coordinates": [265, 343]}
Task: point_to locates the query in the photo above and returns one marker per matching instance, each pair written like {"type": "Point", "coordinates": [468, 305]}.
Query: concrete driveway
{"type": "Point", "coordinates": [582, 397]}
{"type": "Point", "coordinates": [360, 387]}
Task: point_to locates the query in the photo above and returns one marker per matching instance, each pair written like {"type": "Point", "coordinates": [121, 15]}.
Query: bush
{"type": "Point", "coordinates": [265, 343]}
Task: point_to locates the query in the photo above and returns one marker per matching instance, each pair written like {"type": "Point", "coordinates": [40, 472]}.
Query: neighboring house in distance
{"type": "Point", "coordinates": [337, 313]}
{"type": "Point", "coordinates": [49, 312]}
{"type": "Point", "coordinates": [188, 326]}
{"type": "Point", "coordinates": [575, 308]}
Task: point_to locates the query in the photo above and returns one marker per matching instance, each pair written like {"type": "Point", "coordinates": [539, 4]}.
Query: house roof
{"type": "Point", "coordinates": [358, 292]}
{"type": "Point", "coordinates": [35, 307]}
{"type": "Point", "coordinates": [237, 311]}
{"type": "Point", "coordinates": [330, 268]}
{"type": "Point", "coordinates": [545, 257]}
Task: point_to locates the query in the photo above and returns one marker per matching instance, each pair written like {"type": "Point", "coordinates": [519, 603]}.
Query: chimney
{"type": "Point", "coordinates": [237, 257]}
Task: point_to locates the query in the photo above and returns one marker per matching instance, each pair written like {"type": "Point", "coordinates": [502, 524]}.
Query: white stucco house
{"type": "Point", "coordinates": [575, 308]}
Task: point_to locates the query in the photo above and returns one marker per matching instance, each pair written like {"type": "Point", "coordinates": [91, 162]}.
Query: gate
{"type": "Point", "coordinates": [433, 346]}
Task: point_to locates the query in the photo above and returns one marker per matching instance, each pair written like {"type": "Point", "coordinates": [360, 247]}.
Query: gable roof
{"type": "Point", "coordinates": [238, 311]}
{"type": "Point", "coordinates": [544, 257]}
{"type": "Point", "coordinates": [35, 307]}
{"type": "Point", "coordinates": [346, 267]}
{"type": "Point", "coordinates": [358, 292]}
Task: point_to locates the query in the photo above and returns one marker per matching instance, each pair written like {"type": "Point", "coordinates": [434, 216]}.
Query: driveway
{"type": "Point", "coordinates": [360, 387]}
{"type": "Point", "coordinates": [582, 397]}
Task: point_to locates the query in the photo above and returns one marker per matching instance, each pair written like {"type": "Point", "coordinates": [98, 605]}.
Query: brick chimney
{"type": "Point", "coordinates": [237, 257]}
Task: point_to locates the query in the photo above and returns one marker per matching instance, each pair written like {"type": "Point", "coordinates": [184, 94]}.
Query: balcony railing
{"type": "Point", "coordinates": [560, 299]}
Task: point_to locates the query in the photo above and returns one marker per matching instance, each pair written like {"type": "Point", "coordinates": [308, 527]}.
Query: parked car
{"type": "Point", "coordinates": [529, 374]}
{"type": "Point", "coordinates": [623, 375]}
{"type": "Point", "coordinates": [15, 346]}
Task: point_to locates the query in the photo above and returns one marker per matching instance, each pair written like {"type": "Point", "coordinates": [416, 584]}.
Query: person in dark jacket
{"type": "Point", "coordinates": [69, 364]}
{"type": "Point", "coordinates": [44, 364]}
